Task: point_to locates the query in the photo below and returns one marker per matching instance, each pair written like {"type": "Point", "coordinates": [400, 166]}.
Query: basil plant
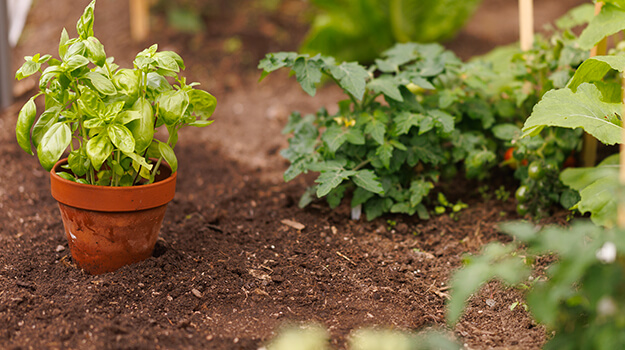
{"type": "Point", "coordinates": [104, 115]}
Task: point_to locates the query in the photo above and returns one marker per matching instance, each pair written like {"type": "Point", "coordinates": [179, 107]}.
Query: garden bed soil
{"type": "Point", "coordinates": [232, 265]}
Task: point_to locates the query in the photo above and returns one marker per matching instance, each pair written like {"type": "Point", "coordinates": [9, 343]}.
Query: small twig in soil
{"type": "Point", "coordinates": [215, 228]}
{"type": "Point", "coordinates": [346, 258]}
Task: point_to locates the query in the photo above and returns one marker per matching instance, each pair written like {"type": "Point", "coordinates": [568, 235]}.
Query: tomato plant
{"type": "Point", "coordinates": [106, 115]}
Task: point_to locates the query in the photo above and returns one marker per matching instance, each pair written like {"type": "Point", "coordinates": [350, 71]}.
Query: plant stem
{"type": "Point", "coordinates": [362, 164]}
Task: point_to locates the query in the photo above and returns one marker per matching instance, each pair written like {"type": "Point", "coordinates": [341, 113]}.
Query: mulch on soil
{"type": "Point", "coordinates": [228, 270]}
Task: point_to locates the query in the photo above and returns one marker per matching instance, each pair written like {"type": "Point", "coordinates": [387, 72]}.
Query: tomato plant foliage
{"type": "Point", "coordinates": [107, 115]}
{"type": "Point", "coordinates": [419, 114]}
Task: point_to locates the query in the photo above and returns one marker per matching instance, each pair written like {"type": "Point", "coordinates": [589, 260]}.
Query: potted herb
{"type": "Point", "coordinates": [117, 179]}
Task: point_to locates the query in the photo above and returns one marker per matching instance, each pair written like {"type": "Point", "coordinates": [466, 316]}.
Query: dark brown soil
{"type": "Point", "coordinates": [227, 272]}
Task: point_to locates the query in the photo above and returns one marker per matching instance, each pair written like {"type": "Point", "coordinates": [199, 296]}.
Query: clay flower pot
{"type": "Point", "coordinates": [109, 227]}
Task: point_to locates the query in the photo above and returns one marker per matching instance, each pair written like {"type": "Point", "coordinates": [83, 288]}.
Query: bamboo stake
{"type": "Point", "coordinates": [139, 19]}
{"type": "Point", "coordinates": [589, 146]}
{"type": "Point", "coordinates": [526, 24]}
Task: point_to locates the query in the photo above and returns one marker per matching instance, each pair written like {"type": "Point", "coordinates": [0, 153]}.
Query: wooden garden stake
{"type": "Point", "coordinates": [589, 146]}
{"type": "Point", "coordinates": [139, 19]}
{"type": "Point", "coordinates": [526, 24]}
{"type": "Point", "coordinates": [621, 176]}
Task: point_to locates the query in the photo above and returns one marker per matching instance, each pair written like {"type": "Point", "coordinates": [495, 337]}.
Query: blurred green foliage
{"type": "Point", "coordinates": [359, 30]}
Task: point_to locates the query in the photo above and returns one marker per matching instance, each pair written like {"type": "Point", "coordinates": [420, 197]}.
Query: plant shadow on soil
{"type": "Point", "coordinates": [226, 272]}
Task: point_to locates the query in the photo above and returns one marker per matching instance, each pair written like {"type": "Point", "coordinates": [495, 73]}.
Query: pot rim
{"type": "Point", "coordinates": [112, 199]}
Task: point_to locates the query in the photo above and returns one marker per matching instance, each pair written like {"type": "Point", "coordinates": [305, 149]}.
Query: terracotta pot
{"type": "Point", "coordinates": [109, 227]}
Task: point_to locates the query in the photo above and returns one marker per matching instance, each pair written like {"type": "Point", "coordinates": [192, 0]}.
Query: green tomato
{"type": "Point", "coordinates": [535, 170]}
{"type": "Point", "coordinates": [522, 209]}
{"type": "Point", "coordinates": [522, 194]}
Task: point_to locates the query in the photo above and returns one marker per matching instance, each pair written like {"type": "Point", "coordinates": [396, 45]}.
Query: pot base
{"type": "Point", "coordinates": [102, 242]}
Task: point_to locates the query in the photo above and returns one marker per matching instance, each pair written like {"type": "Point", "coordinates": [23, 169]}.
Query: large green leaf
{"type": "Point", "coordinates": [101, 83]}
{"type": "Point", "coordinates": [121, 137]}
{"type": "Point", "coordinates": [172, 105]}
{"type": "Point", "coordinates": [351, 77]}
{"type": "Point", "coordinates": [308, 73]}
{"type": "Point", "coordinates": [98, 149]}
{"type": "Point", "coordinates": [142, 128]}
{"type": "Point", "coordinates": [582, 109]}
{"type": "Point", "coordinates": [609, 21]}
{"type": "Point", "coordinates": [597, 187]}
{"type": "Point", "coordinates": [328, 180]}
{"type": "Point", "coordinates": [386, 85]}
{"type": "Point", "coordinates": [25, 121]}
{"type": "Point", "coordinates": [53, 143]}
{"type": "Point", "coordinates": [368, 180]}
{"type": "Point", "coordinates": [202, 103]}
{"type": "Point", "coordinates": [594, 69]}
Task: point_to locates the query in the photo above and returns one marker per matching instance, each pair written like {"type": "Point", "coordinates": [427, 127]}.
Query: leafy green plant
{"type": "Point", "coordinates": [591, 100]}
{"type": "Point", "coordinates": [106, 115]}
{"type": "Point", "coordinates": [359, 30]}
{"type": "Point", "coordinates": [581, 297]}
{"type": "Point", "coordinates": [390, 155]}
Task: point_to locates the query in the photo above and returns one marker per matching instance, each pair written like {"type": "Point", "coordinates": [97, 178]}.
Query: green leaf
{"type": "Point", "coordinates": [335, 196]}
{"type": "Point", "coordinates": [360, 196]}
{"type": "Point", "coordinates": [406, 120]}
{"type": "Point", "coordinates": [101, 83]}
{"type": "Point", "coordinates": [275, 61]}
{"type": "Point", "coordinates": [376, 129]}
{"type": "Point", "coordinates": [334, 137]}
{"type": "Point", "coordinates": [99, 148]}
{"type": "Point", "coordinates": [27, 69]}
{"type": "Point", "coordinates": [48, 118]}
{"type": "Point", "coordinates": [419, 189]}
{"type": "Point", "coordinates": [596, 187]}
{"type": "Point", "coordinates": [52, 144]}
{"type": "Point", "coordinates": [142, 128]}
{"type": "Point", "coordinates": [583, 109]}
{"type": "Point", "coordinates": [139, 161]}
{"type": "Point", "coordinates": [25, 121]}
{"type": "Point", "coordinates": [328, 180]}
{"type": "Point", "coordinates": [202, 103]}
{"type": "Point", "coordinates": [609, 21]}
{"type": "Point", "coordinates": [352, 77]}
{"type": "Point", "coordinates": [121, 137]}
{"type": "Point", "coordinates": [166, 61]}
{"type": "Point", "coordinates": [63, 43]}
{"type": "Point", "coordinates": [594, 69]}
{"type": "Point", "coordinates": [355, 136]}
{"type": "Point", "coordinates": [506, 132]}
{"type": "Point", "coordinates": [495, 262]}
{"type": "Point", "coordinates": [95, 51]}
{"type": "Point", "coordinates": [84, 26]}
{"type": "Point", "coordinates": [444, 120]}
{"type": "Point", "coordinates": [386, 85]}
{"type": "Point", "coordinates": [172, 105]}
{"type": "Point", "coordinates": [169, 155]}
{"type": "Point", "coordinates": [368, 180]}
{"type": "Point", "coordinates": [78, 162]}
{"type": "Point", "coordinates": [385, 152]}
{"type": "Point", "coordinates": [75, 62]}
{"type": "Point", "coordinates": [377, 206]}
{"type": "Point", "coordinates": [478, 162]}
{"type": "Point", "coordinates": [308, 74]}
